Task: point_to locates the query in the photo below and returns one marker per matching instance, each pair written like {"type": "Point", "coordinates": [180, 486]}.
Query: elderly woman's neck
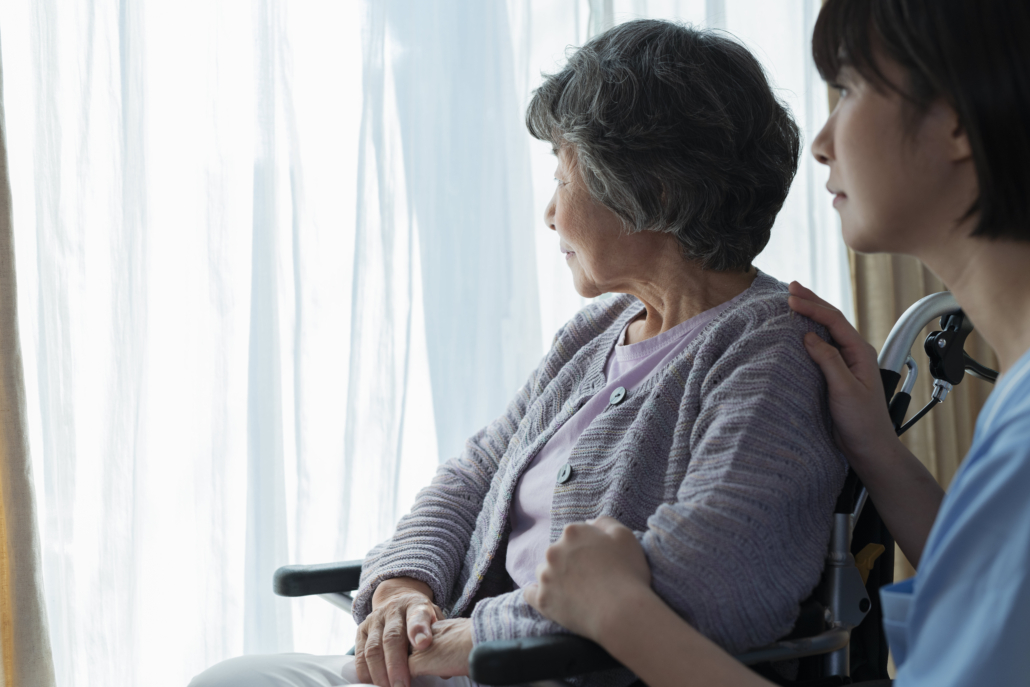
{"type": "Point", "coordinates": [673, 296]}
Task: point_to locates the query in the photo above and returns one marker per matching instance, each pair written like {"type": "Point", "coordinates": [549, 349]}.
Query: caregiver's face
{"type": "Point", "coordinates": [602, 255]}
{"type": "Point", "coordinates": [895, 189]}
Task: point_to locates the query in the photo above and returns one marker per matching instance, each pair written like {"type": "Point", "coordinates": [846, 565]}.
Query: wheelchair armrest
{"type": "Point", "coordinates": [554, 657]}
{"type": "Point", "coordinates": [787, 649]}
{"type": "Point", "coordinates": [551, 657]}
{"type": "Point", "coordinates": [325, 578]}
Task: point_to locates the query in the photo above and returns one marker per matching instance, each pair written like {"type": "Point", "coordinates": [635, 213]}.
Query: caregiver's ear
{"type": "Point", "coordinates": [956, 139]}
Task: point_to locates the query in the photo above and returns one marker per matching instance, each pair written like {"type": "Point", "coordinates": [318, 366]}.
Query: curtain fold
{"type": "Point", "coordinates": [468, 187]}
{"type": "Point", "coordinates": [24, 639]}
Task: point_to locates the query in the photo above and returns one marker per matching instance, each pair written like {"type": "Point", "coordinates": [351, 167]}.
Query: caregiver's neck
{"type": "Point", "coordinates": [676, 289]}
{"type": "Point", "coordinates": [990, 278]}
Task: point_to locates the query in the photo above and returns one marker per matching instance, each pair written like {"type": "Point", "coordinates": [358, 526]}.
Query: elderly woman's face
{"type": "Point", "coordinates": [602, 255]}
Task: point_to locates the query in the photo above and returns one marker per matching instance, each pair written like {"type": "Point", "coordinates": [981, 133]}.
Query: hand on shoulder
{"type": "Point", "coordinates": [861, 425]}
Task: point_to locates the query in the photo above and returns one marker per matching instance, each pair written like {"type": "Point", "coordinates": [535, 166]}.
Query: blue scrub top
{"type": "Point", "coordinates": [964, 619]}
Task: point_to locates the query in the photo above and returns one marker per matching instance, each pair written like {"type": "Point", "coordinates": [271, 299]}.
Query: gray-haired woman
{"type": "Point", "coordinates": [687, 407]}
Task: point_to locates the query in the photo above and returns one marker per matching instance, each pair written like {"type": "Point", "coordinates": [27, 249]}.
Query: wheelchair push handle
{"type": "Point", "coordinates": [948, 361]}
{"type": "Point", "coordinates": [896, 349]}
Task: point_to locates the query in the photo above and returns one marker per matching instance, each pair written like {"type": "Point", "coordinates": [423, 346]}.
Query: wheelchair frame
{"type": "Point", "coordinates": [841, 601]}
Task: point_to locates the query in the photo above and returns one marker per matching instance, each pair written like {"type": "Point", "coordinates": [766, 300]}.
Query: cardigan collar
{"type": "Point", "coordinates": [621, 309]}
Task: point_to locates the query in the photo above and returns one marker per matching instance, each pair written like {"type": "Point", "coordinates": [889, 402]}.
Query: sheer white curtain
{"type": "Point", "coordinates": [275, 260]}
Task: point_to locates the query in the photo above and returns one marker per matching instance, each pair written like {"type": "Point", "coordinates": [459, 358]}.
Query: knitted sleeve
{"type": "Point", "coordinates": [745, 542]}
{"type": "Point", "coordinates": [431, 542]}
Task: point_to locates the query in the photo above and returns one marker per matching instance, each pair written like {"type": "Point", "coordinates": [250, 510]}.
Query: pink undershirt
{"type": "Point", "coordinates": [628, 367]}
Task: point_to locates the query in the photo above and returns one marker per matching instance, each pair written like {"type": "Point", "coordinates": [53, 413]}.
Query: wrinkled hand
{"type": "Point", "coordinates": [591, 561]}
{"type": "Point", "coordinates": [402, 618]}
{"type": "Point", "coordinates": [861, 424]}
{"type": "Point", "coordinates": [448, 655]}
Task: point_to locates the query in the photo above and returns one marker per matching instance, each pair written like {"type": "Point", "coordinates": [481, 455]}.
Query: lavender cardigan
{"type": "Point", "coordinates": [723, 464]}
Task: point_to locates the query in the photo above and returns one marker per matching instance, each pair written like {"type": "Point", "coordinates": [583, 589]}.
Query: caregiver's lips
{"type": "Point", "coordinates": [838, 196]}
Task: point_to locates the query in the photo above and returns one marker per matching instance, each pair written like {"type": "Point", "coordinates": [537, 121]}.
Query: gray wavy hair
{"type": "Point", "coordinates": [676, 130]}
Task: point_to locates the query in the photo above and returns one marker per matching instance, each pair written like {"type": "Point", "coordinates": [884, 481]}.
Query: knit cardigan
{"type": "Point", "coordinates": [722, 463]}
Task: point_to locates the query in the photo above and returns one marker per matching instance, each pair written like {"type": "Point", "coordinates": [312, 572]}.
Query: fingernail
{"type": "Point", "coordinates": [399, 683]}
{"type": "Point", "coordinates": [418, 639]}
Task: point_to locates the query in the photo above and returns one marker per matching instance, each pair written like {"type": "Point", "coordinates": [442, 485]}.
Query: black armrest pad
{"type": "Point", "coordinates": [514, 661]}
{"type": "Point", "coordinates": [788, 649]}
{"type": "Point", "coordinates": [325, 578]}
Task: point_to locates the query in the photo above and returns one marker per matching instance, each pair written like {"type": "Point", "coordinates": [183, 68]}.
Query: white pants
{"type": "Point", "coordinates": [299, 670]}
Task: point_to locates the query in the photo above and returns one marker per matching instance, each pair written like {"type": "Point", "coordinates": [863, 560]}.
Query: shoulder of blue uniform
{"type": "Point", "coordinates": [1008, 405]}
{"type": "Point", "coordinates": [1011, 422]}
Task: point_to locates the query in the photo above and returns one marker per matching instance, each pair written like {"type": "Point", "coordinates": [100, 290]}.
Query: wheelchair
{"type": "Point", "coordinates": [838, 637]}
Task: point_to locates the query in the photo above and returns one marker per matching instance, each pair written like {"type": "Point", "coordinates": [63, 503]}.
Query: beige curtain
{"type": "Point", "coordinates": [884, 286]}
{"type": "Point", "coordinates": [27, 661]}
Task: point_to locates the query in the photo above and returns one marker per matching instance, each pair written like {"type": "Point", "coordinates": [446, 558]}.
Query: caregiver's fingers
{"type": "Point", "coordinates": [821, 312]}
{"type": "Point", "coordinates": [806, 302]}
{"type": "Point", "coordinates": [606, 524]}
{"type": "Point", "coordinates": [797, 289]}
{"type": "Point", "coordinates": [853, 346]}
{"type": "Point", "coordinates": [839, 377]}
{"type": "Point", "coordinates": [420, 618]}
{"type": "Point", "coordinates": [531, 593]}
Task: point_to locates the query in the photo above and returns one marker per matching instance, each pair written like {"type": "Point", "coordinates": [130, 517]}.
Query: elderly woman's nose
{"type": "Point", "coordinates": [549, 214]}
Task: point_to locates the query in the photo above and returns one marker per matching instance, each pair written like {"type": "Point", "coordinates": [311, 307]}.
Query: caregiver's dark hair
{"type": "Point", "coordinates": [675, 130]}
{"type": "Point", "coordinates": [973, 53]}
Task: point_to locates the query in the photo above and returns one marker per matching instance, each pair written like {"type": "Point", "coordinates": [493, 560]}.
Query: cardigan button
{"type": "Point", "coordinates": [617, 396]}
{"type": "Point", "coordinates": [564, 474]}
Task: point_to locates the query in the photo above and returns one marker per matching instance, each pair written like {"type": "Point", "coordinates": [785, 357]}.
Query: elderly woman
{"type": "Point", "coordinates": [686, 407]}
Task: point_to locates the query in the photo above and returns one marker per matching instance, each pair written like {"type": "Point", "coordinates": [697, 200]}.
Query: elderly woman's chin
{"type": "Point", "coordinates": [584, 286]}
{"type": "Point", "coordinates": [590, 285]}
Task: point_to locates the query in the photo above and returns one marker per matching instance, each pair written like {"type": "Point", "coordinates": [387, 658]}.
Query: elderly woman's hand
{"type": "Point", "coordinates": [402, 617]}
{"type": "Point", "coordinates": [588, 570]}
{"type": "Point", "coordinates": [448, 655]}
